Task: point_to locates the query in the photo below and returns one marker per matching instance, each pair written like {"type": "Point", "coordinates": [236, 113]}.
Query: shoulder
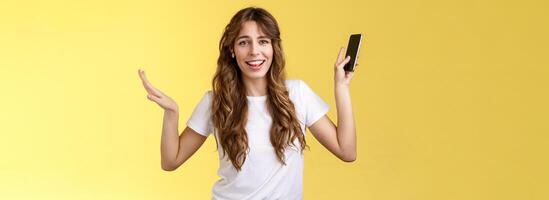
{"type": "Point", "coordinates": [294, 85]}
{"type": "Point", "coordinates": [206, 99]}
{"type": "Point", "coordinates": [208, 94]}
{"type": "Point", "coordinates": [298, 87]}
{"type": "Point", "coordinates": [295, 89]}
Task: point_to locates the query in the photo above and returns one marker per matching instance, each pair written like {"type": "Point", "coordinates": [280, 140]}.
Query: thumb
{"type": "Point", "coordinates": [153, 98]}
{"type": "Point", "coordinates": [343, 63]}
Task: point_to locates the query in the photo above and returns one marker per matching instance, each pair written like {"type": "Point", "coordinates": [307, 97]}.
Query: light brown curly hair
{"type": "Point", "coordinates": [229, 104]}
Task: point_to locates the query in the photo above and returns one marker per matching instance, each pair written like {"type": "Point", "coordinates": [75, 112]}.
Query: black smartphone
{"type": "Point", "coordinates": [352, 50]}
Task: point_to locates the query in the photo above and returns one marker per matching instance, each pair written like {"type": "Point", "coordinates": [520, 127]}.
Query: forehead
{"type": "Point", "coordinates": [251, 29]}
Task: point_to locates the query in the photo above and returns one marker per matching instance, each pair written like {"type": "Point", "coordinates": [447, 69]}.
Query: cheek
{"type": "Point", "coordinates": [240, 52]}
{"type": "Point", "coordinates": [269, 53]}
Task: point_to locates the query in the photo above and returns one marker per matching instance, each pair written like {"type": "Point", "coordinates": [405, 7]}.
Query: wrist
{"type": "Point", "coordinates": [341, 86]}
{"type": "Point", "coordinates": [171, 111]}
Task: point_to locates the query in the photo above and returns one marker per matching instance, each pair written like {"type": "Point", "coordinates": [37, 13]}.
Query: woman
{"type": "Point", "coordinates": [258, 118]}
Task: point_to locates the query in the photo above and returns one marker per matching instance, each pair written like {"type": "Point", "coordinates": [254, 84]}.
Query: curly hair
{"type": "Point", "coordinates": [229, 103]}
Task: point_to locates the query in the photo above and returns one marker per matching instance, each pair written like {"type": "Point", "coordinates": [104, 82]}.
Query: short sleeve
{"type": "Point", "coordinates": [200, 120]}
{"type": "Point", "coordinates": [315, 107]}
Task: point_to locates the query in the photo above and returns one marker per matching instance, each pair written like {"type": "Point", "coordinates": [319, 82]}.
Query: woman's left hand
{"type": "Point", "coordinates": [342, 77]}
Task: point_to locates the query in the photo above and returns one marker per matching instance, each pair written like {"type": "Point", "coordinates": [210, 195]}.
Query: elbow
{"type": "Point", "coordinates": [168, 167]}
{"type": "Point", "coordinates": [348, 158]}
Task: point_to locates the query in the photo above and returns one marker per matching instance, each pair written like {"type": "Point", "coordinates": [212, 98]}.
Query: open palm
{"type": "Point", "coordinates": [156, 95]}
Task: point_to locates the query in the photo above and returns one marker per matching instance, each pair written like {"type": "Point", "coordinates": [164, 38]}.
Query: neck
{"type": "Point", "coordinates": [255, 87]}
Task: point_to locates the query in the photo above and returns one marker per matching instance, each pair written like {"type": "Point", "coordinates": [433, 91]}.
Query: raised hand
{"type": "Point", "coordinates": [157, 96]}
{"type": "Point", "coordinates": [341, 76]}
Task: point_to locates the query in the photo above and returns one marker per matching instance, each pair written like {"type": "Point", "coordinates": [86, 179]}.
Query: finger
{"type": "Point", "coordinates": [153, 98]}
{"type": "Point", "coordinates": [340, 55]}
{"type": "Point", "coordinates": [143, 76]}
{"type": "Point", "coordinates": [349, 75]}
{"type": "Point", "coordinates": [150, 89]}
{"type": "Point", "coordinates": [148, 86]}
{"type": "Point", "coordinates": [156, 92]}
{"type": "Point", "coordinates": [146, 82]}
{"type": "Point", "coordinates": [342, 64]}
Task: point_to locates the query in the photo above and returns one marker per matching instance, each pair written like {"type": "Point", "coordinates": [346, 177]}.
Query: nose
{"type": "Point", "coordinates": [254, 51]}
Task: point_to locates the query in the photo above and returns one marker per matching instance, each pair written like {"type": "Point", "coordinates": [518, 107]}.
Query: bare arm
{"type": "Point", "coordinates": [175, 149]}
{"type": "Point", "coordinates": [340, 140]}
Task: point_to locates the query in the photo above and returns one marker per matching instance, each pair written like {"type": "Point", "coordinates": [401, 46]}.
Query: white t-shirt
{"type": "Point", "coordinates": [262, 176]}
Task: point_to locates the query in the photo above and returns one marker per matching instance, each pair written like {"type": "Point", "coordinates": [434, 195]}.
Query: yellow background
{"type": "Point", "coordinates": [450, 97]}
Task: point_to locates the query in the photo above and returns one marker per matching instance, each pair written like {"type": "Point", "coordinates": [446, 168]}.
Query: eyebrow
{"type": "Point", "coordinates": [245, 36]}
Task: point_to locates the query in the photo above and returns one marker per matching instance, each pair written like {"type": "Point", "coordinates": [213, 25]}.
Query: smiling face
{"type": "Point", "coordinates": [253, 51]}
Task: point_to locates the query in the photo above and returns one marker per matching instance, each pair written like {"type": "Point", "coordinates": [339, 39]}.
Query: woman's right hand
{"type": "Point", "coordinates": [164, 101]}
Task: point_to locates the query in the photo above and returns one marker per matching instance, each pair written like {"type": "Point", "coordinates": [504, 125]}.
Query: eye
{"type": "Point", "coordinates": [243, 42]}
{"type": "Point", "coordinates": [264, 42]}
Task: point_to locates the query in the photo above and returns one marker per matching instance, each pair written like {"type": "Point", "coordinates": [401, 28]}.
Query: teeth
{"type": "Point", "coordinates": [257, 62]}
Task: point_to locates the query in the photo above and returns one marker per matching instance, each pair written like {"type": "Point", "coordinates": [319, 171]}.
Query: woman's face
{"type": "Point", "coordinates": [253, 51]}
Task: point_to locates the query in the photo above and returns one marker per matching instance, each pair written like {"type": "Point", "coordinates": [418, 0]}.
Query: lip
{"type": "Point", "coordinates": [254, 60]}
{"type": "Point", "coordinates": [255, 67]}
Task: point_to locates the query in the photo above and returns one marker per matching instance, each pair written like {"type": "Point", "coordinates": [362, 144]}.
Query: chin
{"type": "Point", "coordinates": [255, 74]}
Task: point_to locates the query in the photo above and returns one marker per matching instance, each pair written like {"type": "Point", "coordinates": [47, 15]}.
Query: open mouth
{"type": "Point", "coordinates": [255, 64]}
